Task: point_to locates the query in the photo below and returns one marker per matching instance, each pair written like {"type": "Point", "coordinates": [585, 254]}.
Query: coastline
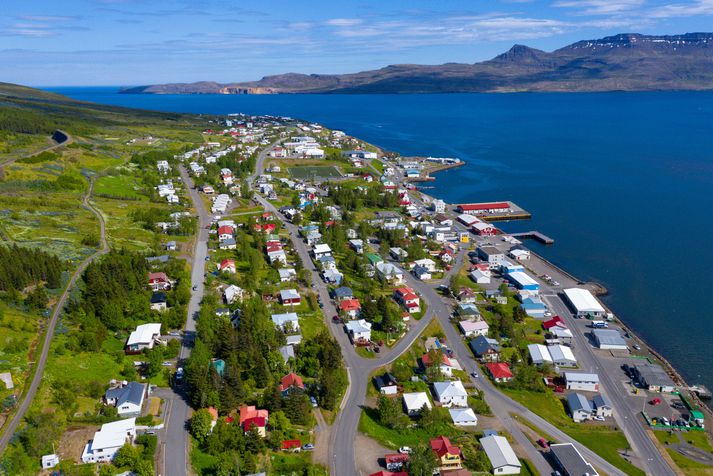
{"type": "Point", "coordinates": [601, 290]}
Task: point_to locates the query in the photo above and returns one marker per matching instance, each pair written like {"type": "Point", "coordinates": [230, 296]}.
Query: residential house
{"type": "Point", "coordinates": [407, 298]}
{"type": "Point", "coordinates": [445, 366]}
{"type": "Point", "coordinates": [562, 356]}
{"type": "Point", "coordinates": [389, 272]}
{"type": "Point", "coordinates": [350, 307]}
{"type": "Point", "coordinates": [386, 384]}
{"type": "Point", "coordinates": [601, 406]}
{"type": "Point", "coordinates": [485, 348]}
{"type": "Point", "coordinates": [342, 293]}
{"type": "Point", "coordinates": [287, 352]}
{"type": "Point", "coordinates": [159, 281]}
{"type": "Point", "coordinates": [501, 455]}
{"type": "Point", "coordinates": [467, 310]}
{"type": "Point", "coordinates": [398, 254]}
{"type": "Point", "coordinates": [463, 416]}
{"type": "Point", "coordinates": [321, 250]}
{"type": "Point", "coordinates": [287, 274]}
{"type": "Point", "coordinates": [289, 382]}
{"type": "Point", "coordinates": [579, 407]}
{"type": "Point", "coordinates": [500, 371]}
{"type": "Point", "coordinates": [467, 295]}
{"type": "Point", "coordinates": [108, 440]}
{"type": "Point", "coordinates": [421, 272]}
{"type": "Point", "coordinates": [290, 297]}
{"type": "Point", "coordinates": [227, 266]}
{"type": "Point", "coordinates": [539, 355]}
{"type": "Point", "coordinates": [480, 277]}
{"type": "Point", "coordinates": [158, 301]}
{"type": "Point", "coordinates": [569, 461]}
{"type": "Point", "coordinates": [50, 461]}
{"type": "Point", "coordinates": [128, 399]}
{"type": "Point", "coordinates": [332, 276]}
{"type": "Point", "coordinates": [414, 402]}
{"type": "Point", "coordinates": [562, 335]}
{"type": "Point", "coordinates": [396, 461]}
{"type": "Point", "coordinates": [286, 321]}
{"type": "Point", "coordinates": [228, 244]}
{"type": "Point", "coordinates": [474, 328]}
{"type": "Point", "coordinates": [233, 293]}
{"type": "Point", "coordinates": [144, 337]}
{"type": "Point", "coordinates": [359, 330]}
{"type": "Point", "coordinates": [449, 455]}
{"type": "Point", "coordinates": [250, 417]}
{"type": "Point", "coordinates": [451, 393]}
{"type": "Point", "coordinates": [357, 245]}
{"type": "Point", "coordinates": [171, 246]}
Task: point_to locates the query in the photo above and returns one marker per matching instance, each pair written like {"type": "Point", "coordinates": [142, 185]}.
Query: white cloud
{"type": "Point", "coordinates": [343, 22]}
{"type": "Point", "coordinates": [600, 7]}
{"type": "Point", "coordinates": [700, 7]}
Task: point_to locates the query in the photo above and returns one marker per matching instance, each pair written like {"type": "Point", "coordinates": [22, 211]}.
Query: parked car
{"type": "Point", "coordinates": [474, 374]}
{"type": "Point", "coordinates": [655, 401]}
{"type": "Point", "coordinates": [308, 447]}
{"type": "Point", "coordinates": [636, 346]}
{"type": "Point", "coordinates": [405, 450]}
{"type": "Point", "coordinates": [543, 442]}
{"type": "Point", "coordinates": [313, 401]}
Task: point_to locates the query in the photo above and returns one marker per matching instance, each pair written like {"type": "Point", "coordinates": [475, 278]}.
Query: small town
{"type": "Point", "coordinates": [342, 321]}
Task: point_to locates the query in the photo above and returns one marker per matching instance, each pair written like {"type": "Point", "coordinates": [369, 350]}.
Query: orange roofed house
{"type": "Point", "coordinates": [289, 381]}
{"type": "Point", "coordinates": [252, 417]}
{"type": "Point", "coordinates": [448, 454]}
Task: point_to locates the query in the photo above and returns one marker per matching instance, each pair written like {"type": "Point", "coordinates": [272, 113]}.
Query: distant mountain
{"type": "Point", "coordinates": [625, 62]}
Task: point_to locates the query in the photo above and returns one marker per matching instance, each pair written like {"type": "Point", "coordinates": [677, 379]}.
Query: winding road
{"type": "Point", "coordinates": [39, 370]}
{"type": "Point", "coordinates": [64, 139]}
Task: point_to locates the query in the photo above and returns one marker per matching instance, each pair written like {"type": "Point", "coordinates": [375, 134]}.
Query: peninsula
{"type": "Point", "coordinates": [624, 62]}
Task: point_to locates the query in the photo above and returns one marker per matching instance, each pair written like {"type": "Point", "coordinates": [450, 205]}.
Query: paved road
{"type": "Point", "coordinates": [42, 361]}
{"type": "Point", "coordinates": [68, 140]}
{"type": "Point", "coordinates": [175, 434]}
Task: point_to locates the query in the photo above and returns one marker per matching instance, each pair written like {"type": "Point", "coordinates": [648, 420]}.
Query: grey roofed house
{"type": "Point", "coordinates": [343, 292]}
{"type": "Point", "coordinates": [227, 243]}
{"type": "Point", "coordinates": [570, 461]}
{"type": "Point", "coordinates": [157, 298]}
{"type": "Point", "coordinates": [158, 259]}
{"type": "Point", "coordinates": [482, 345]}
{"type": "Point", "coordinates": [608, 338]}
{"type": "Point", "coordinates": [579, 406]}
{"type": "Point", "coordinates": [294, 339]}
{"type": "Point", "coordinates": [384, 380]}
{"type": "Point", "coordinates": [132, 393]}
{"type": "Point", "coordinates": [287, 352]}
{"type": "Point", "coordinates": [601, 405]}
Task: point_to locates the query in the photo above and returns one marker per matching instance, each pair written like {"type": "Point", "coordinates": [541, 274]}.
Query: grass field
{"type": "Point", "coordinates": [119, 186]}
{"type": "Point", "coordinates": [309, 171]}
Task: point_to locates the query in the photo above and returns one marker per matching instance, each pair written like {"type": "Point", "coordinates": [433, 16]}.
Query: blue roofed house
{"type": "Point", "coordinates": [332, 276]}
{"type": "Point", "coordinates": [485, 348]}
{"type": "Point", "coordinates": [127, 398]}
{"type": "Point", "coordinates": [342, 293]}
{"type": "Point", "coordinates": [579, 407]}
{"type": "Point", "coordinates": [532, 304]}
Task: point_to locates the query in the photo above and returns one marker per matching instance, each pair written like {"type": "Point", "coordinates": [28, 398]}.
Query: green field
{"type": "Point", "coordinates": [118, 186]}
{"type": "Point", "coordinates": [310, 171]}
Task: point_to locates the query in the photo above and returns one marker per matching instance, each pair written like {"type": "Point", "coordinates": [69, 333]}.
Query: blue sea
{"type": "Point", "coordinates": [622, 181]}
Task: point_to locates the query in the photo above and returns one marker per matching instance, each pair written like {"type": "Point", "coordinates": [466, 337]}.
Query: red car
{"type": "Point", "coordinates": [655, 401]}
{"type": "Point", "coordinates": [543, 442]}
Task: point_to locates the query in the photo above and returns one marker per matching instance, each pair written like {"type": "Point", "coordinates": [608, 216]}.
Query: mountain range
{"type": "Point", "coordinates": [624, 62]}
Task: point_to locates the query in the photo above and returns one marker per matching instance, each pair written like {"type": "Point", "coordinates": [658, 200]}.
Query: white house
{"type": "Point", "coordinates": [562, 356]}
{"type": "Point", "coordinates": [451, 393]}
{"type": "Point", "coordinates": [108, 440]}
{"type": "Point", "coordinates": [144, 337]}
{"type": "Point", "coordinates": [519, 255]}
{"type": "Point", "coordinates": [427, 263]}
{"type": "Point", "coordinates": [501, 455]}
{"type": "Point", "coordinates": [480, 277]}
{"type": "Point", "coordinates": [50, 461]}
{"type": "Point", "coordinates": [390, 272]}
{"type": "Point", "coordinates": [359, 329]}
{"type": "Point", "coordinates": [463, 416]}
{"type": "Point", "coordinates": [321, 250]}
{"type": "Point", "coordinates": [473, 328]}
{"type": "Point", "coordinates": [233, 293]}
{"type": "Point", "coordinates": [286, 319]}
{"type": "Point", "coordinates": [414, 402]}
{"type": "Point", "coordinates": [582, 381]}
{"type": "Point", "coordinates": [584, 303]}
{"type": "Point", "coordinates": [128, 399]}
{"type": "Point", "coordinates": [287, 274]}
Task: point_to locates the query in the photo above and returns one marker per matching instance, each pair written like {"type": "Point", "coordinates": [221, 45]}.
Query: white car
{"type": "Point", "coordinates": [405, 450]}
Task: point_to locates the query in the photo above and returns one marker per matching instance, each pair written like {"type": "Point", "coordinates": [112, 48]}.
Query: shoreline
{"type": "Point", "coordinates": [601, 290]}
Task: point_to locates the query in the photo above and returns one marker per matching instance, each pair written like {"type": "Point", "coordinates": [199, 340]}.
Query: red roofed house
{"type": "Point", "coordinates": [554, 322]}
{"type": "Point", "coordinates": [396, 461]}
{"type": "Point", "coordinates": [252, 417]}
{"type": "Point", "coordinates": [291, 380]}
{"type": "Point", "coordinates": [159, 281]}
{"type": "Point", "coordinates": [500, 371]}
{"type": "Point", "coordinates": [446, 366]}
{"type": "Point", "coordinates": [227, 265]}
{"type": "Point", "coordinates": [448, 454]}
{"type": "Point", "coordinates": [483, 208]}
{"type": "Point", "coordinates": [350, 307]}
{"type": "Point", "coordinates": [408, 298]}
{"type": "Point", "coordinates": [291, 445]}
{"type": "Point", "coordinates": [225, 232]}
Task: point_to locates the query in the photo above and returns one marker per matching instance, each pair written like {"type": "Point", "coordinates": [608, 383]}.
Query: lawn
{"type": "Point", "coordinates": [309, 171]}
{"type": "Point", "coordinates": [119, 186]}
{"type": "Point", "coordinates": [18, 334]}
{"type": "Point", "coordinates": [369, 425]}
{"type": "Point", "coordinates": [689, 467]}
{"type": "Point", "coordinates": [600, 439]}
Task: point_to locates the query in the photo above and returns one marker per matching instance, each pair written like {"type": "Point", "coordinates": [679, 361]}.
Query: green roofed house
{"type": "Point", "coordinates": [373, 258]}
{"type": "Point", "coordinates": [219, 366]}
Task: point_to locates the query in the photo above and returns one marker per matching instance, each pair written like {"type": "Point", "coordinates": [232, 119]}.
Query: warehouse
{"type": "Point", "coordinates": [539, 354]}
{"type": "Point", "coordinates": [570, 461]}
{"type": "Point", "coordinates": [562, 356]}
{"type": "Point", "coordinates": [583, 303]}
{"type": "Point", "coordinates": [653, 377]}
{"type": "Point", "coordinates": [609, 339]}
{"type": "Point", "coordinates": [523, 280]}
{"type": "Point", "coordinates": [582, 381]}
{"type": "Point", "coordinates": [492, 255]}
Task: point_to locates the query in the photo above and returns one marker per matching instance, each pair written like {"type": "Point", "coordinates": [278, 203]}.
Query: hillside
{"type": "Point", "coordinates": [625, 62]}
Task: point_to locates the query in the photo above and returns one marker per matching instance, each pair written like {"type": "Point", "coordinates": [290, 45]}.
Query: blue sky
{"type": "Point", "coordinates": [131, 42]}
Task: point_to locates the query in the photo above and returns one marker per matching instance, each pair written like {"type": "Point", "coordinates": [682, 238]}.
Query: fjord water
{"type": "Point", "coordinates": [622, 181]}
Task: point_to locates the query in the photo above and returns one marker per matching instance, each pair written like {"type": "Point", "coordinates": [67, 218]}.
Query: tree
{"type": "Point", "coordinates": [200, 424]}
{"type": "Point", "coordinates": [127, 456]}
{"type": "Point", "coordinates": [389, 411]}
{"type": "Point", "coordinates": [422, 461]}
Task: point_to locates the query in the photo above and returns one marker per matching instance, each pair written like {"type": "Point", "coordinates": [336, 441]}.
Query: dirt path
{"type": "Point", "coordinates": [9, 430]}
{"type": "Point", "coordinates": [368, 454]}
{"type": "Point", "coordinates": [321, 443]}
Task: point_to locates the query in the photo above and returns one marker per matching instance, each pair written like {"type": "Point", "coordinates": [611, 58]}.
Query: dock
{"type": "Point", "coordinates": [534, 235]}
{"type": "Point", "coordinates": [702, 392]}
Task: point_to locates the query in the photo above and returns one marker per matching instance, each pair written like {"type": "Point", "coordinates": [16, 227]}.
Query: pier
{"type": "Point", "coordinates": [534, 235]}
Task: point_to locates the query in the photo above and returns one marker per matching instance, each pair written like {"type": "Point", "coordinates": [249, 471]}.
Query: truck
{"type": "Point", "coordinates": [599, 325]}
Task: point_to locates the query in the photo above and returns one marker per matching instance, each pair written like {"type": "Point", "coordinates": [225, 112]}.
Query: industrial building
{"type": "Point", "coordinates": [523, 280]}
{"type": "Point", "coordinates": [584, 303]}
{"type": "Point", "coordinates": [582, 381]}
{"type": "Point", "coordinates": [653, 377]}
{"type": "Point", "coordinates": [501, 455]}
{"type": "Point", "coordinates": [570, 462]}
{"type": "Point", "coordinates": [609, 339]}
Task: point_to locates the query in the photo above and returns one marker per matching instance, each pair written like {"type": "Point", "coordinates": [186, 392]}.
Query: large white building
{"type": "Point", "coordinates": [584, 303]}
{"type": "Point", "coordinates": [143, 337]}
{"type": "Point", "coordinates": [451, 393]}
{"type": "Point", "coordinates": [108, 440]}
{"type": "Point", "coordinates": [582, 381]}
